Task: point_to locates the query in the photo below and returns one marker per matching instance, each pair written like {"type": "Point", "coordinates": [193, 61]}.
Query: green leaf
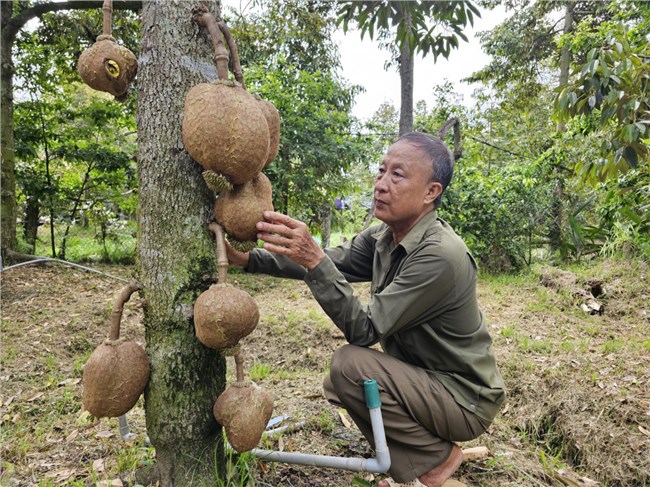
{"type": "Point", "coordinates": [630, 155]}
{"type": "Point", "coordinates": [594, 66]}
{"type": "Point", "coordinates": [625, 211]}
{"type": "Point", "coordinates": [592, 54]}
{"type": "Point", "coordinates": [630, 133]}
{"type": "Point", "coordinates": [592, 101]}
{"type": "Point", "coordinates": [595, 82]}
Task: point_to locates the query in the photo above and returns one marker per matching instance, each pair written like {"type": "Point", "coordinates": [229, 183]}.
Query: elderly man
{"type": "Point", "coordinates": [437, 374]}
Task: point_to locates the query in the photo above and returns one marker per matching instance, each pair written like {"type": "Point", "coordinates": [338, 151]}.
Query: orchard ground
{"type": "Point", "coordinates": [577, 411]}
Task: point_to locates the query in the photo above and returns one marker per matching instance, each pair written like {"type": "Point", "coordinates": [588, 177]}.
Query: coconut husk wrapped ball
{"type": "Point", "coordinates": [107, 66]}
{"type": "Point", "coordinates": [238, 210]}
{"type": "Point", "coordinates": [223, 315]}
{"type": "Point", "coordinates": [117, 371]}
{"type": "Point", "coordinates": [225, 131]}
{"type": "Point", "coordinates": [114, 377]}
{"type": "Point", "coordinates": [244, 411]}
{"type": "Point", "coordinates": [273, 120]}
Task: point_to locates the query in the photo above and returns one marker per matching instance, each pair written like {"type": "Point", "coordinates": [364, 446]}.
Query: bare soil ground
{"type": "Point", "coordinates": [577, 412]}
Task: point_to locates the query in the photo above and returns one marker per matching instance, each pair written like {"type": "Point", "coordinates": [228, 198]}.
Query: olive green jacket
{"type": "Point", "coordinates": [423, 307]}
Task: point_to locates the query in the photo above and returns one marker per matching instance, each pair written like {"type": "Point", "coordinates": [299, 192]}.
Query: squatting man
{"type": "Point", "coordinates": [437, 374]}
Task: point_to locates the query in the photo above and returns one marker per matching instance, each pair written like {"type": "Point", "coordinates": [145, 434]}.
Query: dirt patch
{"type": "Point", "coordinates": [577, 412]}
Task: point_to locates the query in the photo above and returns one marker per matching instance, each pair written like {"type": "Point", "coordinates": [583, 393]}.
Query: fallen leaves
{"type": "Point", "coordinates": [99, 465]}
{"type": "Point", "coordinates": [344, 418]}
{"type": "Point", "coordinates": [35, 396]}
{"type": "Point", "coordinates": [644, 431]}
{"type": "Point", "coordinates": [62, 475]}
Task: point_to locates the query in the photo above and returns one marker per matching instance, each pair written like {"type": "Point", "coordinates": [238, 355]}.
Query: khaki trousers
{"type": "Point", "coordinates": [421, 418]}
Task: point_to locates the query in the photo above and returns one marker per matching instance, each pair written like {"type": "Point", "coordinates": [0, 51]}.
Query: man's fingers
{"type": "Point", "coordinates": [276, 249]}
{"type": "Point", "coordinates": [270, 228]}
{"type": "Point", "coordinates": [273, 217]}
{"type": "Point", "coordinates": [274, 239]}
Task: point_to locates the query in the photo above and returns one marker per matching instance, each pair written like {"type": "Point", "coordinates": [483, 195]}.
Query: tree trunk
{"type": "Point", "coordinates": [176, 252]}
{"type": "Point", "coordinates": [557, 205]}
{"type": "Point", "coordinates": [30, 227]}
{"type": "Point", "coordinates": [406, 66]}
{"type": "Point", "coordinates": [8, 176]}
{"type": "Point", "coordinates": [325, 225]}
{"type": "Point", "coordinates": [565, 55]}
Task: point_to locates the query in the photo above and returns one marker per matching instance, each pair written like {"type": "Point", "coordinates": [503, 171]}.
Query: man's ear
{"type": "Point", "coordinates": [434, 189]}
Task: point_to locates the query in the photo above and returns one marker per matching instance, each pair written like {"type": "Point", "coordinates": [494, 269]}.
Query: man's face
{"type": "Point", "coordinates": [403, 189]}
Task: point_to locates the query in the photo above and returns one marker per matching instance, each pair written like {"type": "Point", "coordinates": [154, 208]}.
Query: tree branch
{"type": "Point", "coordinates": [458, 145]}
{"type": "Point", "coordinates": [14, 25]}
{"type": "Point", "coordinates": [494, 146]}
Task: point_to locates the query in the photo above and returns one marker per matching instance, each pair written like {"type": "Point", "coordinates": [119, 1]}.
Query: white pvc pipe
{"type": "Point", "coordinates": [379, 464]}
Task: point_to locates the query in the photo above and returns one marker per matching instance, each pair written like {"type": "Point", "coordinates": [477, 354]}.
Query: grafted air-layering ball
{"type": "Point", "coordinates": [107, 66]}
{"type": "Point", "coordinates": [225, 131]}
{"type": "Point", "coordinates": [114, 377]}
{"type": "Point", "coordinates": [223, 315]}
{"type": "Point", "coordinates": [244, 411]}
{"type": "Point", "coordinates": [273, 120]}
{"type": "Point", "coordinates": [238, 210]}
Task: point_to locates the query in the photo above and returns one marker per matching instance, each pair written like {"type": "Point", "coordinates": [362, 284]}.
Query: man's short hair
{"type": "Point", "coordinates": [442, 159]}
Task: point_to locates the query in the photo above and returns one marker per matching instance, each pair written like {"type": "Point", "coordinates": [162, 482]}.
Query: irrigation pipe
{"type": "Point", "coordinates": [65, 262]}
{"type": "Point", "coordinates": [379, 464]}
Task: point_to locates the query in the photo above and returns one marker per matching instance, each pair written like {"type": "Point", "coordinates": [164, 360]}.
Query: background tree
{"type": "Point", "coordinates": [420, 27]}
{"type": "Point", "coordinates": [13, 17]}
{"type": "Point", "coordinates": [67, 159]}
{"type": "Point", "coordinates": [613, 84]}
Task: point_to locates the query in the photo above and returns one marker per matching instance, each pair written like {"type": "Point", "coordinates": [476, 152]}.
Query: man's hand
{"type": "Point", "coordinates": [286, 236]}
{"type": "Point", "coordinates": [235, 257]}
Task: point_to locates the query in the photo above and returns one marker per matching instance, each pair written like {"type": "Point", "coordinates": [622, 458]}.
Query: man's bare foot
{"type": "Point", "coordinates": [437, 476]}
{"type": "Point", "coordinates": [391, 483]}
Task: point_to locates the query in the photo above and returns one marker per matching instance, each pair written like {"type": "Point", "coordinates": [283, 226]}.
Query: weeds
{"type": "Point", "coordinates": [259, 371]}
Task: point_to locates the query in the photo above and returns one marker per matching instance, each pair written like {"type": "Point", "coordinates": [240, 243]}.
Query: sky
{"type": "Point", "coordinates": [363, 64]}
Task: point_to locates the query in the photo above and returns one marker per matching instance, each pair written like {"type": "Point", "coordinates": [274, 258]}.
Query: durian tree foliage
{"type": "Point", "coordinates": [408, 28]}
{"type": "Point", "coordinates": [69, 166]}
{"type": "Point", "coordinates": [522, 82]}
{"type": "Point", "coordinates": [288, 57]}
{"type": "Point", "coordinates": [14, 16]}
{"type": "Point", "coordinates": [610, 88]}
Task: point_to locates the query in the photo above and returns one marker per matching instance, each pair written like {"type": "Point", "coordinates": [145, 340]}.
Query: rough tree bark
{"type": "Point", "coordinates": [406, 68]}
{"type": "Point", "coordinates": [8, 177]}
{"type": "Point", "coordinates": [175, 251]}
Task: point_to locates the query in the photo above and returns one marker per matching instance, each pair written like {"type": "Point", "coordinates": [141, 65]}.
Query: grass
{"type": "Point", "coordinates": [259, 371]}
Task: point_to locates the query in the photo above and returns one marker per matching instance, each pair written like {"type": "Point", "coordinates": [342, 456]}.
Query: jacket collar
{"type": "Point", "coordinates": [424, 226]}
